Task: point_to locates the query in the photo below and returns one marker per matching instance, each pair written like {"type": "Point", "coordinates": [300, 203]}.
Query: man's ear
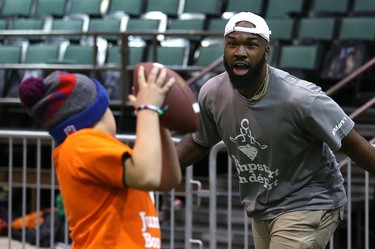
{"type": "Point", "coordinates": [267, 52]}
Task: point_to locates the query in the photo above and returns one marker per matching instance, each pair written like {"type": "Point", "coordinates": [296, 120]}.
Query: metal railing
{"type": "Point", "coordinates": [210, 218]}
{"type": "Point", "coordinates": [25, 169]}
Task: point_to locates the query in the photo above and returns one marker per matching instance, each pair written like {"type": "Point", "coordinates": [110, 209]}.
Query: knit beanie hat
{"type": "Point", "coordinates": [63, 102]}
{"type": "Point", "coordinates": [261, 27]}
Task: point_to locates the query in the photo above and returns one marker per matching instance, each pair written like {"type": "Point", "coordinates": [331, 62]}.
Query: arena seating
{"type": "Point", "coordinates": [328, 29]}
{"type": "Point", "coordinates": [320, 40]}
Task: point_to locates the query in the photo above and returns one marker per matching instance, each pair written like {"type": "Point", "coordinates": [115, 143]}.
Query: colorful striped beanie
{"type": "Point", "coordinates": [63, 102]}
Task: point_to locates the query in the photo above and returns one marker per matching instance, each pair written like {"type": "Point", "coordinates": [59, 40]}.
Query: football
{"type": "Point", "coordinates": [183, 113]}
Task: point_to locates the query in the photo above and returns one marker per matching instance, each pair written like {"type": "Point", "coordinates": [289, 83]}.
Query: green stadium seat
{"type": "Point", "coordinates": [208, 52]}
{"type": "Point", "coordinates": [169, 7]}
{"type": "Point", "coordinates": [189, 23]}
{"type": "Point", "coordinates": [364, 7]}
{"type": "Point", "coordinates": [74, 23]}
{"type": "Point", "coordinates": [303, 61]}
{"type": "Point", "coordinates": [317, 29]}
{"type": "Point", "coordinates": [19, 8]}
{"type": "Point", "coordinates": [26, 24]}
{"type": "Point", "coordinates": [133, 8]}
{"type": "Point", "coordinates": [10, 54]}
{"type": "Point", "coordinates": [55, 8]}
{"type": "Point", "coordinates": [357, 28]}
{"type": "Point", "coordinates": [172, 52]}
{"type": "Point", "coordinates": [78, 54]}
{"type": "Point", "coordinates": [206, 7]}
{"type": "Point", "coordinates": [42, 53]}
{"type": "Point", "coordinates": [329, 7]}
{"type": "Point", "coordinates": [145, 24]}
{"type": "Point", "coordinates": [284, 8]}
{"type": "Point", "coordinates": [136, 55]}
{"type": "Point", "coordinates": [107, 24]}
{"type": "Point", "coordinates": [283, 29]}
{"type": "Point", "coordinates": [89, 7]}
{"type": "Point", "coordinates": [235, 6]}
{"type": "Point", "coordinates": [216, 24]}
{"type": "Point", "coordinates": [303, 57]}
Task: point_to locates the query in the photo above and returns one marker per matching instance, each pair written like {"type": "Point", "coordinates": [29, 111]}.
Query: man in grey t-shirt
{"type": "Point", "coordinates": [280, 132]}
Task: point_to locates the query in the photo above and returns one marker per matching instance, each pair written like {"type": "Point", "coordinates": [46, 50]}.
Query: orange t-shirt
{"type": "Point", "coordinates": [101, 211]}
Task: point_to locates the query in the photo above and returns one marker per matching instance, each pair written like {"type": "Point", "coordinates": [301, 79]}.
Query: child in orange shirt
{"type": "Point", "coordinates": [104, 183]}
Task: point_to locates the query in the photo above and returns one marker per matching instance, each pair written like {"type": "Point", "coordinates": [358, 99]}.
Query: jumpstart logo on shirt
{"type": "Point", "coordinates": [150, 222]}
{"type": "Point", "coordinates": [252, 172]}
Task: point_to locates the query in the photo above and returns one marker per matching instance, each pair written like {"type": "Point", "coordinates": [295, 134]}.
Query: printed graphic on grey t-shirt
{"type": "Point", "coordinates": [258, 173]}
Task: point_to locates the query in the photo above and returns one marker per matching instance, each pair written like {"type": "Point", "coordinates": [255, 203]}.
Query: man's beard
{"type": "Point", "coordinates": [243, 81]}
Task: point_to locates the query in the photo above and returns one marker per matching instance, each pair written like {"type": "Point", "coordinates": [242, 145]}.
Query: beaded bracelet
{"type": "Point", "coordinates": [157, 109]}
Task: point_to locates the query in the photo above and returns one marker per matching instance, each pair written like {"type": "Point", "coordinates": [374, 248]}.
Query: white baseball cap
{"type": "Point", "coordinates": [261, 27]}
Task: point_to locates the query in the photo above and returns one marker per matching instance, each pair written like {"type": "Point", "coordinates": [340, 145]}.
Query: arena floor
{"type": "Point", "coordinates": [4, 244]}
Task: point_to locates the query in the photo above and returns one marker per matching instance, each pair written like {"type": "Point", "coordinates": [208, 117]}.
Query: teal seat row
{"type": "Point", "coordinates": [173, 8]}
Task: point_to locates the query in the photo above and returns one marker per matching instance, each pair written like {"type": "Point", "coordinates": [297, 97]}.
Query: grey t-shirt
{"type": "Point", "coordinates": [280, 145]}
